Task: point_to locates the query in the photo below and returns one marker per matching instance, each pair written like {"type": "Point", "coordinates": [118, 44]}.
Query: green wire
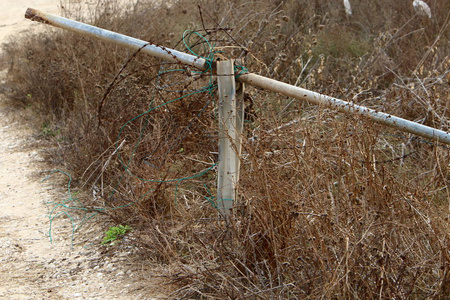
{"type": "Point", "coordinates": [73, 203]}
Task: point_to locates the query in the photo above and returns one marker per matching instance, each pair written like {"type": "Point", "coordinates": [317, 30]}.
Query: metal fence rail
{"type": "Point", "coordinates": [249, 78]}
{"type": "Point", "coordinates": [347, 107]}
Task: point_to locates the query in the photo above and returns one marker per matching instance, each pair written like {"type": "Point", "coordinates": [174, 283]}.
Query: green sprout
{"type": "Point", "coordinates": [114, 233]}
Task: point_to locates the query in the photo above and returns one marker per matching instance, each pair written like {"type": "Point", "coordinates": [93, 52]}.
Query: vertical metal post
{"type": "Point", "coordinates": [231, 118]}
{"type": "Point", "coordinates": [240, 87]}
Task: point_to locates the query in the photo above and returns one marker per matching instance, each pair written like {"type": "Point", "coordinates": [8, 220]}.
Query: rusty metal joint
{"type": "Point", "coordinates": [33, 15]}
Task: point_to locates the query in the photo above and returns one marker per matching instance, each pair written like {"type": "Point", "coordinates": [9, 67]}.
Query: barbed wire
{"type": "Point", "coordinates": [190, 41]}
{"type": "Point", "coordinates": [72, 204]}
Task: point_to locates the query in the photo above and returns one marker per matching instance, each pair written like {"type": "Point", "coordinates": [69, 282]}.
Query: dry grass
{"type": "Point", "coordinates": [332, 207]}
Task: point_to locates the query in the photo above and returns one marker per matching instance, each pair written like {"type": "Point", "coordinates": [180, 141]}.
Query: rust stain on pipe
{"type": "Point", "coordinates": [34, 15]}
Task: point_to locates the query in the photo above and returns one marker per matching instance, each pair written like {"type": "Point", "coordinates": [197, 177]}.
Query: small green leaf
{"type": "Point", "coordinates": [114, 233]}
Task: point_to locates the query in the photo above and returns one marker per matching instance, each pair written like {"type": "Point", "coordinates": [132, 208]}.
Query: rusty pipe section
{"type": "Point", "coordinates": [249, 78]}
{"type": "Point", "coordinates": [116, 38]}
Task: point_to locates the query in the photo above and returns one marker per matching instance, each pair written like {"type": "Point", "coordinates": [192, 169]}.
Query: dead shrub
{"type": "Point", "coordinates": [330, 206]}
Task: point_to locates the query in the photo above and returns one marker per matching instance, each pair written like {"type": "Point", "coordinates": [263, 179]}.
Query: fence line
{"type": "Point", "coordinates": [249, 78]}
{"type": "Point", "coordinates": [230, 104]}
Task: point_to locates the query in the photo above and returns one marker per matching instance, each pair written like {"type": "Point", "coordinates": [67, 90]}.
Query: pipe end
{"type": "Point", "coordinates": [35, 15]}
{"type": "Point", "coordinates": [30, 13]}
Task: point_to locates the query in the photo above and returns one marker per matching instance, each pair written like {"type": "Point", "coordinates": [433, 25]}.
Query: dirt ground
{"type": "Point", "coordinates": [31, 267]}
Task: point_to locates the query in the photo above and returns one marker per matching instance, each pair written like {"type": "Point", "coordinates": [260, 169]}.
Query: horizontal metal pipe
{"type": "Point", "coordinates": [252, 79]}
{"type": "Point", "coordinates": [117, 38]}
{"type": "Point", "coordinates": [344, 106]}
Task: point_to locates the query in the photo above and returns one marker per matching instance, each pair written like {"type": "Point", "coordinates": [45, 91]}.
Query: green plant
{"type": "Point", "coordinates": [114, 233]}
{"type": "Point", "coordinates": [48, 131]}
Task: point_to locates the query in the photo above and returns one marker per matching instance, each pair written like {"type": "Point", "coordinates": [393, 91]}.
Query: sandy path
{"type": "Point", "coordinates": [30, 266]}
{"type": "Point", "coordinates": [12, 12]}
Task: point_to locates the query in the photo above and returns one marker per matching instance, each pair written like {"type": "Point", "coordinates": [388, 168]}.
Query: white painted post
{"type": "Point", "coordinates": [231, 118]}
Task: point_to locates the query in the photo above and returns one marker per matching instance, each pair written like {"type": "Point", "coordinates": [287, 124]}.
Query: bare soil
{"type": "Point", "coordinates": [31, 267]}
